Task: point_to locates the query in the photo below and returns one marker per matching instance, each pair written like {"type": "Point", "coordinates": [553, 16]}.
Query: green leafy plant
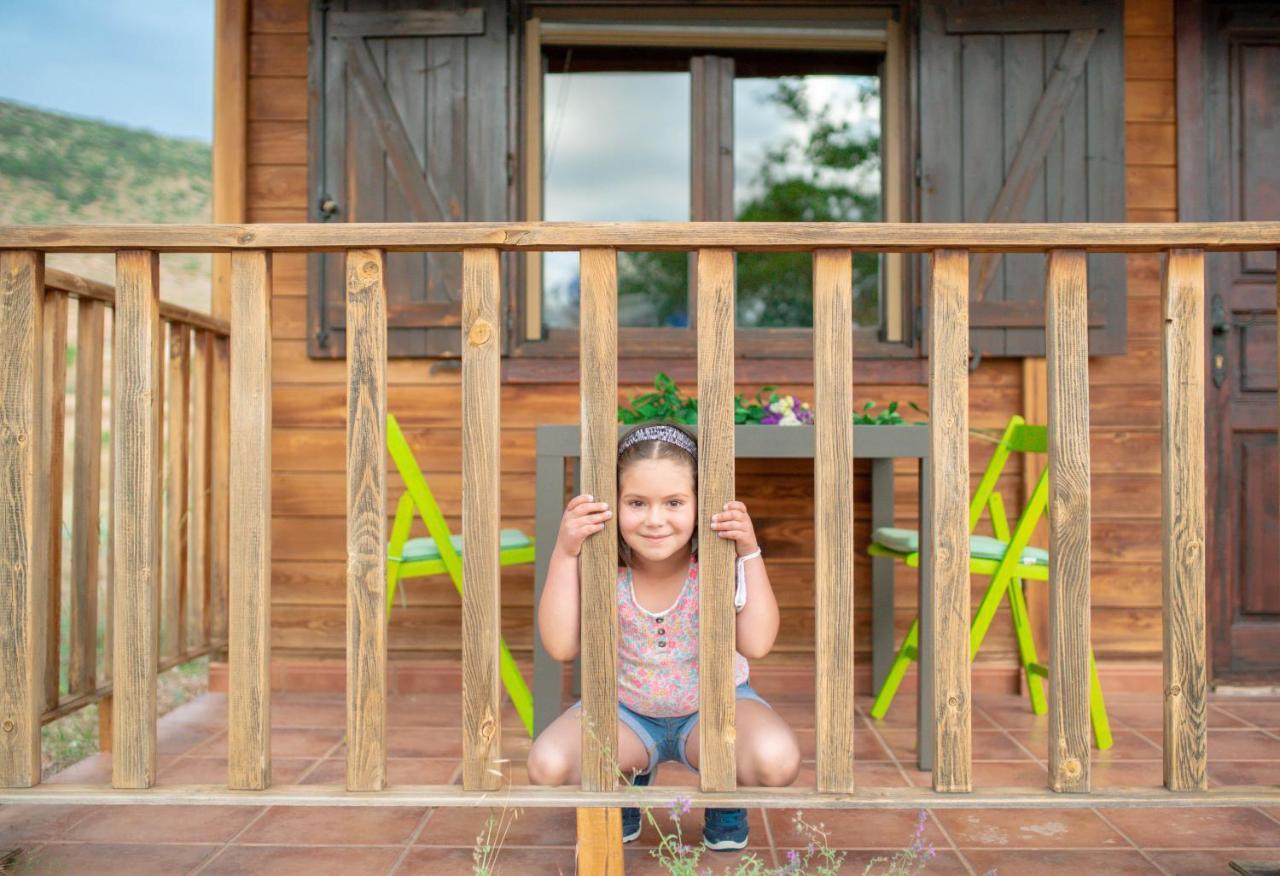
{"type": "Point", "coordinates": [887, 417]}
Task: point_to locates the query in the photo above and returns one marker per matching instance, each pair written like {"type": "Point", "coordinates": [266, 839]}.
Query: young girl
{"type": "Point", "coordinates": [658, 624]}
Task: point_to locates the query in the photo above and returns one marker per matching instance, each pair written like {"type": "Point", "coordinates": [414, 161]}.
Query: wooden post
{"type": "Point", "coordinates": [85, 514]}
{"type": "Point", "coordinates": [598, 568]}
{"type": "Point", "coordinates": [175, 580]}
{"type": "Point", "coordinates": [52, 448]}
{"type": "Point", "coordinates": [1183, 522]}
{"type": "Point", "coordinates": [949, 511]}
{"type": "Point", "coordinates": [481, 602]}
{"type": "Point", "coordinates": [366, 520]}
{"type": "Point", "coordinates": [249, 621]}
{"type": "Point", "coordinates": [717, 632]}
{"type": "Point", "coordinates": [135, 415]}
{"type": "Point", "coordinates": [22, 594]}
{"type": "Point", "coordinates": [1067, 349]}
{"type": "Point", "coordinates": [199, 498]}
{"type": "Point", "coordinates": [833, 515]}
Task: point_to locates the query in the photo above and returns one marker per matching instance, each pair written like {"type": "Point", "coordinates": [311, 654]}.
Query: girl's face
{"type": "Point", "coordinates": [657, 509]}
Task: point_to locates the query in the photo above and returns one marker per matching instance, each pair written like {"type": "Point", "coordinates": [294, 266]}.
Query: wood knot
{"type": "Point", "coordinates": [369, 268]}
{"type": "Point", "coordinates": [486, 729]}
{"type": "Point", "coordinates": [1175, 690]}
{"type": "Point", "coordinates": [953, 701]}
{"type": "Point", "coordinates": [8, 725]}
{"type": "Point", "coordinates": [1070, 768]}
{"type": "Point", "coordinates": [480, 333]}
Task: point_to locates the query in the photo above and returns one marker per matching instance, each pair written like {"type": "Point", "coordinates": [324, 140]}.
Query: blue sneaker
{"type": "Point", "coordinates": [725, 829]}
{"type": "Point", "coordinates": [631, 814]}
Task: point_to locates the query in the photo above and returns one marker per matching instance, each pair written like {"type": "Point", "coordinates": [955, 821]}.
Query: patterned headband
{"type": "Point", "coordinates": [669, 434]}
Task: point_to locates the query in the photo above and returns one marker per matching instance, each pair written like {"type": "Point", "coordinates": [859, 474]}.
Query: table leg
{"type": "Point", "coordinates": [924, 698]}
{"type": "Point", "coordinates": [548, 501]}
{"type": "Point", "coordinates": [881, 575]}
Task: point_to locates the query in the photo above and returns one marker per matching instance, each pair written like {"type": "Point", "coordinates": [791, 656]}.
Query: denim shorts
{"type": "Point", "coordinates": [664, 738]}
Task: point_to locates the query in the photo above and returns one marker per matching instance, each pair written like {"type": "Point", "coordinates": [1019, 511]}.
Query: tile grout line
{"type": "Point", "coordinates": [1109, 823]}
{"type": "Point", "coordinates": [413, 838]}
{"type": "Point", "coordinates": [955, 847]}
{"type": "Point", "coordinates": [200, 868]}
{"type": "Point", "coordinates": [302, 777]}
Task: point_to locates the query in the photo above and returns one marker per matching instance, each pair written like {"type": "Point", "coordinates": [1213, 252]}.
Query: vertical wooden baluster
{"type": "Point", "coordinates": [249, 608]}
{"type": "Point", "coordinates": [949, 558]}
{"type": "Point", "coordinates": [366, 520]}
{"type": "Point", "coordinates": [86, 498]}
{"type": "Point", "coordinates": [199, 499]}
{"type": "Point", "coordinates": [1183, 523]}
{"type": "Point", "coordinates": [162, 372]}
{"type": "Point", "coordinates": [135, 414]}
{"type": "Point", "coordinates": [1067, 351]}
{"type": "Point", "coordinates": [716, 569]}
{"type": "Point", "coordinates": [598, 568]}
{"type": "Point", "coordinates": [219, 488]}
{"type": "Point", "coordinates": [175, 583]}
{"type": "Point", "coordinates": [23, 599]}
{"type": "Point", "coordinates": [49, 498]}
{"type": "Point", "coordinates": [833, 515]}
{"type": "Point", "coordinates": [107, 706]}
{"type": "Point", "coordinates": [481, 603]}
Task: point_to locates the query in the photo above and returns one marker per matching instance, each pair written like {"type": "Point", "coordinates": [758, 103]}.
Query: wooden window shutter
{"type": "Point", "coordinates": [408, 124]}
{"type": "Point", "coordinates": [1022, 120]}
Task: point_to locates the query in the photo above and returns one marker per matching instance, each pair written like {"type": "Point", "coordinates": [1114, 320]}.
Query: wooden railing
{"type": "Point", "coordinates": [136, 536]}
{"type": "Point", "coordinates": [190, 386]}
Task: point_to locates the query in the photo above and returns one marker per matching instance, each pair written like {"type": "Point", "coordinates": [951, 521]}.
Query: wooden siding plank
{"type": "Point", "coordinates": [716, 632]}
{"type": "Point", "coordinates": [175, 569]}
{"type": "Point", "coordinates": [1183, 536]}
{"type": "Point", "coordinates": [598, 567]}
{"type": "Point", "coordinates": [135, 406]}
{"type": "Point", "coordinates": [366, 520]}
{"type": "Point", "coordinates": [833, 515]}
{"type": "Point", "coordinates": [481, 601]}
{"type": "Point", "coordinates": [949, 498]}
{"type": "Point", "coordinates": [51, 449]}
{"type": "Point", "coordinates": [249, 562]}
{"type": "Point", "coordinates": [22, 595]}
{"type": "Point", "coordinates": [82, 670]}
{"type": "Point", "coordinates": [1067, 339]}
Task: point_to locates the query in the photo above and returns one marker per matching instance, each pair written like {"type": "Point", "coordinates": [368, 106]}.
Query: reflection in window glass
{"type": "Point", "coordinates": [806, 149]}
{"type": "Point", "coordinates": [616, 148]}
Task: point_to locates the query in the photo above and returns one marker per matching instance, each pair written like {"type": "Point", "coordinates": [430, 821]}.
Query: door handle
{"type": "Point", "coordinates": [1220, 325]}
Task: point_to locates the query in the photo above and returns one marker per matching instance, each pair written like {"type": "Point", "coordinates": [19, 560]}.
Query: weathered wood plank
{"type": "Point", "coordinates": [949, 559]}
{"type": "Point", "coordinates": [51, 449]}
{"type": "Point", "coordinates": [85, 515]}
{"type": "Point", "coordinates": [366, 520]}
{"type": "Point", "coordinates": [199, 498]}
{"type": "Point", "coordinates": [135, 406]}
{"type": "Point", "coordinates": [1067, 340]}
{"type": "Point", "coordinates": [1183, 523]}
{"type": "Point", "coordinates": [657, 236]}
{"type": "Point", "coordinates": [598, 567]}
{"type": "Point", "coordinates": [249, 562]}
{"type": "Point", "coordinates": [175, 570]}
{"type": "Point", "coordinates": [833, 515]}
{"type": "Point", "coordinates": [599, 848]}
{"type": "Point", "coordinates": [219, 484]}
{"type": "Point", "coordinates": [481, 601]}
{"type": "Point", "coordinates": [22, 593]}
{"type": "Point", "coordinates": [716, 482]}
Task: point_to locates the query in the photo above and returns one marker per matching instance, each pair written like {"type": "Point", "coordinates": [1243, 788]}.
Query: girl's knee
{"type": "Point", "coordinates": [775, 760]}
{"type": "Point", "coordinates": [548, 765]}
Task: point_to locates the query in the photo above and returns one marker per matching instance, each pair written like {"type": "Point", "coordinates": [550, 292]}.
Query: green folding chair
{"type": "Point", "coordinates": [441, 553]}
{"type": "Point", "coordinates": [1008, 560]}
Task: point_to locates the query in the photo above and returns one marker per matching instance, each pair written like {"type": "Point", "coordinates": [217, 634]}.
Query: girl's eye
{"type": "Point", "coordinates": [676, 503]}
{"type": "Point", "coordinates": [636, 503]}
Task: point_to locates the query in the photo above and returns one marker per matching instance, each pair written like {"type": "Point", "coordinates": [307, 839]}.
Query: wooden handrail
{"type": "Point", "coordinates": [82, 287]}
{"type": "Point", "coordinates": [654, 236]}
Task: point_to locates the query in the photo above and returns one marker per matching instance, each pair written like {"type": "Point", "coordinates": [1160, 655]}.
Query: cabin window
{"type": "Point", "coordinates": [685, 120]}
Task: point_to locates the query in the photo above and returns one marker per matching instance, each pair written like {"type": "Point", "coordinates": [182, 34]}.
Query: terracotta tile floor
{"type": "Point", "coordinates": [1009, 749]}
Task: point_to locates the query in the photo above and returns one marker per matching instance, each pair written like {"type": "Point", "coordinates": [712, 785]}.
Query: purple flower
{"type": "Point", "coordinates": [793, 857]}
{"type": "Point", "coordinates": [771, 419]}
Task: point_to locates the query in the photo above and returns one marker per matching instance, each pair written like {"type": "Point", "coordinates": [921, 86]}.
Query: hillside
{"type": "Point", "coordinates": [57, 169]}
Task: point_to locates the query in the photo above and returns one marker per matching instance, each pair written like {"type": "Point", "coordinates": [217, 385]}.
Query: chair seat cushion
{"type": "Point", "coordinates": [421, 549]}
{"type": "Point", "coordinates": [907, 541]}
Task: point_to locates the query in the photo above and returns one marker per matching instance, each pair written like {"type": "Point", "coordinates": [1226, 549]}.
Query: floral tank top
{"type": "Point", "coordinates": [658, 652]}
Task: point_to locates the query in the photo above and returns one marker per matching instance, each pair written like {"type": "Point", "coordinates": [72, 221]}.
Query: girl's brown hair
{"type": "Point", "coordinates": [652, 448]}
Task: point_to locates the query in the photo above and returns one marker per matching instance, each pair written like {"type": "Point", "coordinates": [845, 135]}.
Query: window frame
{"type": "Point", "coordinates": [865, 30]}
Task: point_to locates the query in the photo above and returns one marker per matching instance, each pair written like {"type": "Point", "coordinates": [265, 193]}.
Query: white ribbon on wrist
{"type": "Point", "coordinates": [740, 592]}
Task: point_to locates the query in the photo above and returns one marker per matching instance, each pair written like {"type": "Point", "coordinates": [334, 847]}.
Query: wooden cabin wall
{"type": "Point", "coordinates": [308, 596]}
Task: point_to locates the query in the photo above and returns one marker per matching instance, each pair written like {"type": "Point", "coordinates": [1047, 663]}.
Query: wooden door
{"type": "Point", "coordinates": [1241, 131]}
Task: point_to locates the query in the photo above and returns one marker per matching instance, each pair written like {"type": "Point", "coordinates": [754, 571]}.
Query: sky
{"type": "Point", "coordinates": [139, 63]}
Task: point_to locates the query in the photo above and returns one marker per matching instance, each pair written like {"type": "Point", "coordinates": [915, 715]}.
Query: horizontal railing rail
{"type": "Point", "coordinates": [947, 247]}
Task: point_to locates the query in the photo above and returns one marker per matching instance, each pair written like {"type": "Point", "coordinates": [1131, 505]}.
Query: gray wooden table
{"type": "Point", "coordinates": [881, 444]}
